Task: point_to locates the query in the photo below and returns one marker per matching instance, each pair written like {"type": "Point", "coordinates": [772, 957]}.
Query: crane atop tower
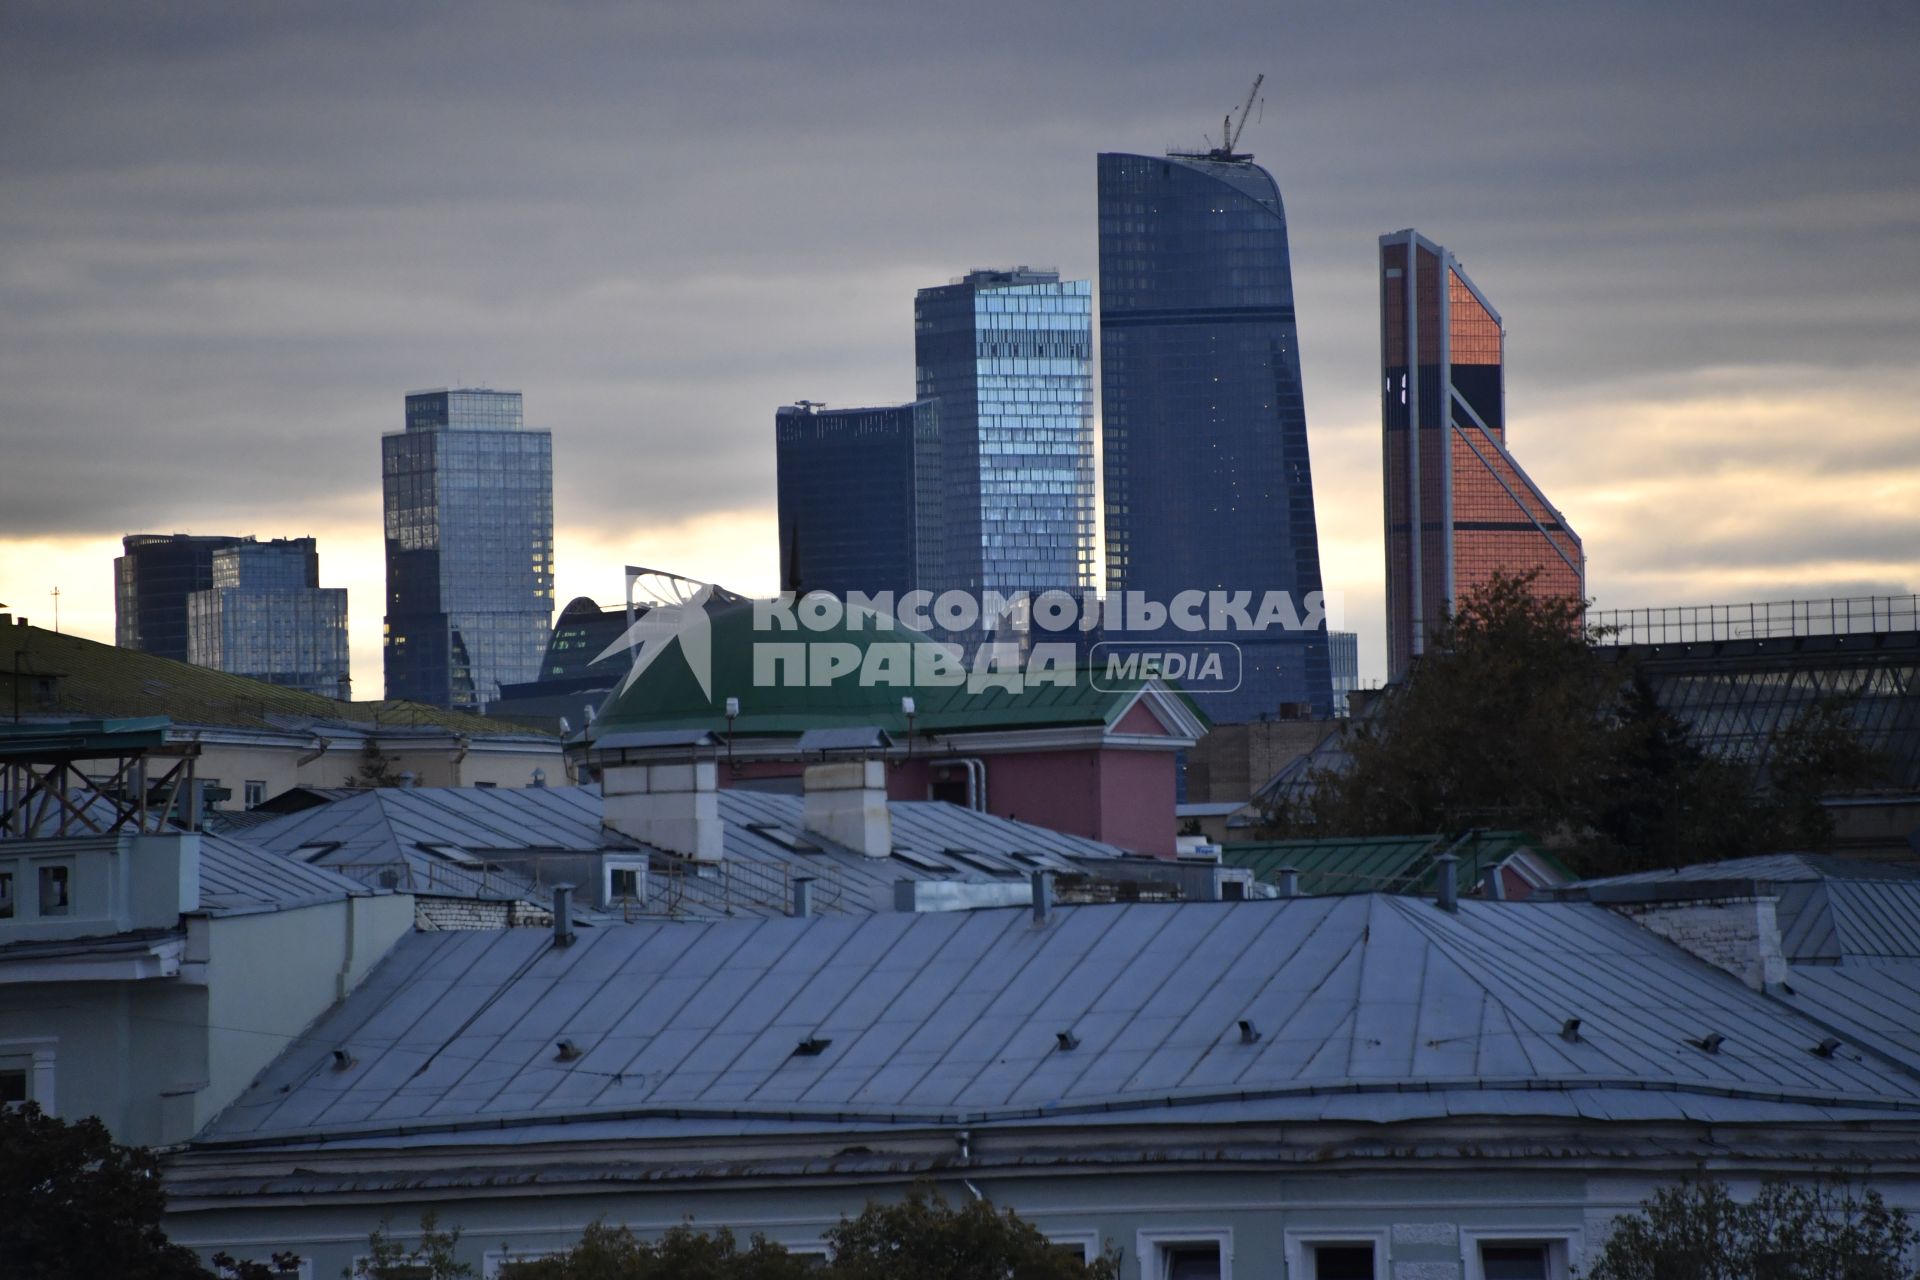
{"type": "Point", "coordinates": [1230, 128]}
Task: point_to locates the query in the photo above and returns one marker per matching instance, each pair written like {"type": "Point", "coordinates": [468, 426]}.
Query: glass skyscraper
{"type": "Point", "coordinates": [267, 616]}
{"type": "Point", "coordinates": [860, 497]}
{"type": "Point", "coordinates": [1458, 507]}
{"type": "Point", "coordinates": [1208, 482]}
{"type": "Point", "coordinates": [1007, 358]}
{"type": "Point", "coordinates": [151, 583]}
{"type": "Point", "coordinates": [469, 522]}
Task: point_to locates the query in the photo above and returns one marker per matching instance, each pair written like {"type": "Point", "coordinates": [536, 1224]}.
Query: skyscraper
{"type": "Point", "coordinates": [267, 616]}
{"type": "Point", "coordinates": [1458, 507]}
{"type": "Point", "coordinates": [151, 583]}
{"type": "Point", "coordinates": [1007, 357]}
{"type": "Point", "coordinates": [860, 497]}
{"type": "Point", "coordinates": [469, 523]}
{"type": "Point", "coordinates": [1208, 482]}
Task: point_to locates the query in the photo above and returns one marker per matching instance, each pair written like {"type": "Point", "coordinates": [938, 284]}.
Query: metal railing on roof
{"type": "Point", "coordinates": [1760, 620]}
{"type": "Point", "coordinates": [679, 886]}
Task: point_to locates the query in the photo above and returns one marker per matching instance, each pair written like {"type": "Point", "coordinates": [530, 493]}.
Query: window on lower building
{"type": "Point", "coordinates": [253, 792]}
{"type": "Point", "coordinates": [55, 886]}
{"type": "Point", "coordinates": [6, 895]}
{"type": "Point", "coordinates": [1342, 1261]}
{"type": "Point", "coordinates": [1190, 1262]}
{"type": "Point", "coordinates": [13, 1086]}
{"type": "Point", "coordinates": [623, 884]}
{"type": "Point", "coordinates": [1511, 1261]}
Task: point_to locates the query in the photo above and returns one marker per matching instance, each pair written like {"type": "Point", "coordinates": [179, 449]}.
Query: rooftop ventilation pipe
{"type": "Point", "coordinates": [563, 915]}
{"type": "Point", "coordinates": [1446, 871]}
{"type": "Point", "coordinates": [1494, 884]}
{"type": "Point", "coordinates": [1042, 897]}
{"type": "Point", "coordinates": [1289, 882]}
{"type": "Point", "coordinates": [802, 897]}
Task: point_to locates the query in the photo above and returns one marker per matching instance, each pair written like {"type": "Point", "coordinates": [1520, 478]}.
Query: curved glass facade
{"type": "Point", "coordinates": [1208, 481]}
{"type": "Point", "coordinates": [469, 522]}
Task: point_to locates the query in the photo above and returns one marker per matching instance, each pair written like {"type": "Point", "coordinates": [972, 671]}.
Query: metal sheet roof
{"type": "Point", "coordinates": [237, 877]}
{"type": "Point", "coordinates": [1877, 1005]}
{"type": "Point", "coordinates": [1779, 868]}
{"type": "Point", "coordinates": [438, 831]}
{"type": "Point", "coordinates": [1377, 863]}
{"type": "Point", "coordinates": [1371, 1006]}
{"type": "Point", "coordinates": [1844, 921]}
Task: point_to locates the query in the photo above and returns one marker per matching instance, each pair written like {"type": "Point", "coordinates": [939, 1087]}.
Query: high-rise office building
{"type": "Point", "coordinates": [267, 616]}
{"type": "Point", "coordinates": [1458, 507]}
{"type": "Point", "coordinates": [1007, 358]}
{"type": "Point", "coordinates": [151, 583]}
{"type": "Point", "coordinates": [860, 498]}
{"type": "Point", "coordinates": [469, 523]}
{"type": "Point", "coordinates": [1343, 658]}
{"type": "Point", "coordinates": [1204, 427]}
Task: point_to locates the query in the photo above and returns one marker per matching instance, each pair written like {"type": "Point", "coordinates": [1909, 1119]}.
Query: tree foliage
{"type": "Point", "coordinates": [75, 1204]}
{"type": "Point", "coordinates": [1516, 718]}
{"type": "Point", "coordinates": [920, 1238]}
{"type": "Point", "coordinates": [436, 1257]}
{"type": "Point", "coordinates": [1828, 1229]}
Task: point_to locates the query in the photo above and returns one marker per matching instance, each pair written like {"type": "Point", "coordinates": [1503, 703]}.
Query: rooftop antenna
{"type": "Point", "coordinates": [56, 611]}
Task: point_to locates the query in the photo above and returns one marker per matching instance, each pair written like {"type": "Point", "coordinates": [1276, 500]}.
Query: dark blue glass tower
{"type": "Point", "coordinates": [469, 518]}
{"type": "Point", "coordinates": [1208, 484]}
{"type": "Point", "coordinates": [860, 497]}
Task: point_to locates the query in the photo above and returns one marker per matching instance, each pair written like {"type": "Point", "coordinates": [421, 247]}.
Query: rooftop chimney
{"type": "Point", "coordinates": [1494, 883]}
{"type": "Point", "coordinates": [1446, 870]}
{"type": "Point", "coordinates": [802, 896]}
{"type": "Point", "coordinates": [1042, 897]}
{"type": "Point", "coordinates": [563, 915]}
{"type": "Point", "coordinates": [1289, 882]}
{"type": "Point", "coordinates": [675, 807]}
{"type": "Point", "coordinates": [846, 801]}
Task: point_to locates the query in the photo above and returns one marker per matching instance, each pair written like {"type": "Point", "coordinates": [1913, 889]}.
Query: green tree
{"type": "Point", "coordinates": [76, 1205]}
{"type": "Point", "coordinates": [434, 1258]}
{"type": "Point", "coordinates": [1517, 718]}
{"type": "Point", "coordinates": [615, 1253]}
{"type": "Point", "coordinates": [924, 1238]}
{"type": "Point", "coordinates": [920, 1238]}
{"type": "Point", "coordinates": [1827, 1229]}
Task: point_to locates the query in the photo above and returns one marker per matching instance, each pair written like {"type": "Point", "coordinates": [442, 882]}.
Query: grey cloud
{"type": "Point", "coordinates": [235, 236]}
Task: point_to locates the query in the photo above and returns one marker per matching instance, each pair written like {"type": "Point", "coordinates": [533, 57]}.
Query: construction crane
{"type": "Point", "coordinates": [1230, 131]}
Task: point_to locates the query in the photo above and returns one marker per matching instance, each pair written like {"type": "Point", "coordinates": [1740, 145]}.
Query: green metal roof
{"type": "Point", "coordinates": [1380, 864]}
{"type": "Point", "coordinates": [82, 739]}
{"type": "Point", "coordinates": [668, 696]}
{"type": "Point", "coordinates": [90, 679]}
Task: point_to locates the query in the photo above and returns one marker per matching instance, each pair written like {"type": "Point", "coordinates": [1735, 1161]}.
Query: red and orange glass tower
{"type": "Point", "coordinates": [1458, 507]}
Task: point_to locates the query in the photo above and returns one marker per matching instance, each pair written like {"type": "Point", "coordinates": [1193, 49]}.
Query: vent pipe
{"type": "Point", "coordinates": [1446, 870]}
{"type": "Point", "coordinates": [563, 915]}
{"type": "Point", "coordinates": [802, 897]}
{"type": "Point", "coordinates": [1289, 882]}
{"type": "Point", "coordinates": [1042, 897]}
{"type": "Point", "coordinates": [1494, 884]}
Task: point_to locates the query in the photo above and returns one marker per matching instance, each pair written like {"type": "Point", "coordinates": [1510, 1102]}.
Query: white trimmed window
{"type": "Point", "coordinates": [1204, 1253]}
{"type": "Point", "coordinates": [26, 1072]}
{"type": "Point", "coordinates": [1337, 1255]}
{"type": "Point", "coordinates": [1519, 1254]}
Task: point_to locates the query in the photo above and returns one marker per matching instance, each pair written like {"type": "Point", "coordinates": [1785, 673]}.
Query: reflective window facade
{"type": "Point", "coordinates": [151, 583]}
{"type": "Point", "coordinates": [860, 497]}
{"type": "Point", "coordinates": [1208, 481]}
{"type": "Point", "coordinates": [1458, 507]}
{"type": "Point", "coordinates": [1343, 657]}
{"type": "Point", "coordinates": [468, 493]}
{"type": "Point", "coordinates": [267, 616]}
{"type": "Point", "coordinates": [1007, 357]}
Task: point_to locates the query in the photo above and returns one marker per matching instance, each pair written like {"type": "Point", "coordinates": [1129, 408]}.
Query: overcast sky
{"type": "Point", "coordinates": [232, 236]}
